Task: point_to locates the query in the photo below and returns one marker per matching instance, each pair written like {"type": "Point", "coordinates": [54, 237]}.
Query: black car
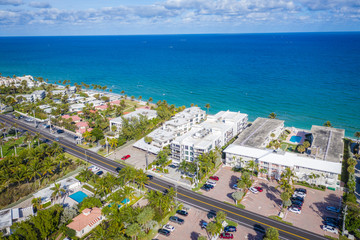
{"type": "Point", "coordinates": [297, 203]}
{"type": "Point", "coordinates": [211, 214]}
{"type": "Point", "coordinates": [172, 166]}
{"type": "Point", "coordinates": [182, 212]}
{"type": "Point", "coordinates": [206, 188]}
{"type": "Point", "coordinates": [332, 219]}
{"type": "Point", "coordinates": [60, 131]}
{"type": "Point", "coordinates": [118, 169]}
{"type": "Point", "coordinates": [333, 224]}
{"type": "Point", "coordinates": [99, 173]}
{"type": "Point", "coordinates": [297, 199]}
{"type": "Point", "coordinates": [164, 232]}
{"type": "Point", "coordinates": [209, 186]}
{"type": "Point", "coordinates": [296, 206]}
{"type": "Point", "coordinates": [150, 177]}
{"type": "Point", "coordinates": [230, 229]}
{"type": "Point", "coordinates": [176, 219]}
{"type": "Point", "coordinates": [303, 190]}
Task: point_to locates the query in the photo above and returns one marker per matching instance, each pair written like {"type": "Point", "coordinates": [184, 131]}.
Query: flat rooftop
{"type": "Point", "coordinates": [328, 143]}
{"type": "Point", "coordinates": [256, 134]}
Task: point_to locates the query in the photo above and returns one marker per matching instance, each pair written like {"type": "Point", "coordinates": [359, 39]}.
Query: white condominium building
{"type": "Point", "coordinates": [177, 126]}
{"type": "Point", "coordinates": [216, 131]}
{"type": "Point", "coordinates": [150, 114]}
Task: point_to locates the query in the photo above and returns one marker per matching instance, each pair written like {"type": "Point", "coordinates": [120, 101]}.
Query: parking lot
{"type": "Point", "coordinates": [268, 202]}
{"type": "Point", "coordinates": [191, 228]}
{"type": "Point", "coordinates": [137, 156]}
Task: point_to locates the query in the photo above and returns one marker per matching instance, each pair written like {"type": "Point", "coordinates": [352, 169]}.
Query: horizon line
{"type": "Point", "coordinates": [174, 34]}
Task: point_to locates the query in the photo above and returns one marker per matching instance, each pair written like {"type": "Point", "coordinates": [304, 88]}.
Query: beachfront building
{"type": "Point", "coordinates": [216, 131]}
{"type": "Point", "coordinates": [9, 216]}
{"type": "Point", "coordinates": [178, 125]}
{"type": "Point", "coordinates": [86, 221]}
{"type": "Point", "coordinates": [39, 95]}
{"type": "Point", "coordinates": [321, 166]}
{"type": "Point", "coordinates": [76, 107]}
{"type": "Point", "coordinates": [148, 113]}
{"type": "Point", "coordinates": [61, 92]}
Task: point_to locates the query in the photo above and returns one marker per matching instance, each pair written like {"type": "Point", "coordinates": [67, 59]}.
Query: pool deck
{"type": "Point", "coordinates": [299, 133]}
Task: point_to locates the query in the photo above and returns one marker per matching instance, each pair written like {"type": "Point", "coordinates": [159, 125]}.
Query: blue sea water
{"type": "Point", "coordinates": [306, 78]}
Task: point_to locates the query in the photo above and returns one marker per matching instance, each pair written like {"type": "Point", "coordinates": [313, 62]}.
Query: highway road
{"type": "Point", "coordinates": [189, 197]}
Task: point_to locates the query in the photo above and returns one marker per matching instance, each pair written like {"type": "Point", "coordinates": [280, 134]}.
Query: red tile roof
{"type": "Point", "coordinates": [82, 124]}
{"type": "Point", "coordinates": [88, 217]}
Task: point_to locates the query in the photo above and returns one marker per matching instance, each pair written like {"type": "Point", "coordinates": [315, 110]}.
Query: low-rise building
{"type": "Point", "coordinates": [216, 131]}
{"type": "Point", "coordinates": [321, 166]}
{"type": "Point", "coordinates": [76, 107]}
{"type": "Point", "coordinates": [39, 95]}
{"type": "Point", "coordinates": [86, 221]}
{"type": "Point", "coordinates": [10, 216]}
{"type": "Point", "coordinates": [148, 113]}
{"type": "Point", "coordinates": [61, 92]}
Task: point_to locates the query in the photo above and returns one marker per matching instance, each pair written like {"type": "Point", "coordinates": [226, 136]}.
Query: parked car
{"type": "Point", "coordinates": [57, 139]}
{"type": "Point", "coordinates": [226, 236]}
{"type": "Point", "coordinates": [205, 188]}
{"type": "Point", "coordinates": [259, 189]}
{"type": "Point", "coordinates": [182, 212]}
{"type": "Point", "coordinates": [253, 190]}
{"type": "Point", "coordinates": [169, 227]}
{"type": "Point", "coordinates": [125, 157]}
{"type": "Point", "coordinates": [331, 219]}
{"type": "Point", "coordinates": [332, 209]}
{"type": "Point", "coordinates": [216, 178]}
{"type": "Point", "coordinates": [60, 131]}
{"type": "Point", "coordinates": [295, 210]}
{"type": "Point", "coordinates": [176, 219]}
{"type": "Point", "coordinates": [211, 182]}
{"type": "Point", "coordinates": [230, 229]}
{"type": "Point", "coordinates": [330, 229]}
{"type": "Point", "coordinates": [29, 119]}
{"type": "Point", "coordinates": [203, 224]}
{"type": "Point", "coordinates": [99, 173]}
{"type": "Point", "coordinates": [235, 187]}
{"type": "Point", "coordinates": [299, 194]}
{"type": "Point", "coordinates": [150, 177]}
{"type": "Point", "coordinates": [297, 199]}
{"type": "Point", "coordinates": [296, 206]}
{"type": "Point", "coordinates": [172, 166]}
{"type": "Point", "coordinates": [331, 224]}
{"type": "Point", "coordinates": [209, 186]}
{"type": "Point", "coordinates": [303, 190]}
{"type": "Point", "coordinates": [211, 214]}
{"type": "Point", "coordinates": [295, 202]}
{"type": "Point", "coordinates": [164, 232]}
{"type": "Point", "coordinates": [118, 169]}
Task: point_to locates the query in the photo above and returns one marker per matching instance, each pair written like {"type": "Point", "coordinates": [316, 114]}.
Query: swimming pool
{"type": "Point", "coordinates": [78, 196]}
{"type": "Point", "coordinates": [295, 139]}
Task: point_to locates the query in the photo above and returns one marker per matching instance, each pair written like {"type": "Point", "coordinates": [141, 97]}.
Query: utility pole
{"type": "Point", "coordinates": [146, 157]}
{"type": "Point", "coordinates": [343, 227]}
{"type": "Point", "coordinates": [197, 172]}
{"type": "Point", "coordinates": [34, 118]}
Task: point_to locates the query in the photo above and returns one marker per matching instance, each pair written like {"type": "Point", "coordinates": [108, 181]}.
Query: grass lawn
{"type": "Point", "coordinates": [84, 146]}
{"type": "Point", "coordinates": [8, 149]}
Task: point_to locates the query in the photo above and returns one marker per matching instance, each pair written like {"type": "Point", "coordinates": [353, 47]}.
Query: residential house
{"type": "Point", "coordinates": [10, 216]}
{"type": "Point", "coordinates": [86, 221]}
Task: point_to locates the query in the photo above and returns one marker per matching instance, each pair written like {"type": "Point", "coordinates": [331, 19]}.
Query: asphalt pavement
{"type": "Point", "coordinates": [242, 216]}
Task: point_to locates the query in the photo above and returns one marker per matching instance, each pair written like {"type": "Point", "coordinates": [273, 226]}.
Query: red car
{"type": "Point", "coordinates": [125, 157]}
{"type": "Point", "coordinates": [259, 189]}
{"type": "Point", "coordinates": [226, 236]}
{"type": "Point", "coordinates": [214, 178]}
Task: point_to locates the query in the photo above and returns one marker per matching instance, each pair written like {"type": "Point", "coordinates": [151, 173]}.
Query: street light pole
{"type": "Point", "coordinates": [343, 227]}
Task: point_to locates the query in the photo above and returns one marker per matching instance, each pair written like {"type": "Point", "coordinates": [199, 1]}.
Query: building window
{"type": "Point", "coordinates": [186, 147]}
{"type": "Point", "coordinates": [191, 148]}
{"type": "Point", "coordinates": [187, 152]}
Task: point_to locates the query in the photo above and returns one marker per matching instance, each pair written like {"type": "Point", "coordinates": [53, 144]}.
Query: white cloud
{"type": "Point", "coordinates": [39, 5]}
{"type": "Point", "coordinates": [11, 2]}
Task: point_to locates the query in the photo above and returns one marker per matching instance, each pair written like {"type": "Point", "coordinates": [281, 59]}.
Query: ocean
{"type": "Point", "coordinates": [305, 78]}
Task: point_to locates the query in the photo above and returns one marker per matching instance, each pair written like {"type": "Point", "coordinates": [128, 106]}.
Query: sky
{"type": "Point", "coordinates": [132, 17]}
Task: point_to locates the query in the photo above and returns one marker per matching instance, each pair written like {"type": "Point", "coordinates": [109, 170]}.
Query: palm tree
{"type": "Point", "coordinates": [213, 228]}
{"type": "Point", "coordinates": [100, 233]}
{"type": "Point", "coordinates": [113, 143]}
{"type": "Point", "coordinates": [37, 137]}
{"type": "Point", "coordinates": [15, 126]}
{"type": "Point", "coordinates": [28, 138]}
{"type": "Point", "coordinates": [141, 178]}
{"type": "Point", "coordinates": [127, 174]}
{"type": "Point", "coordinates": [58, 191]}
{"type": "Point", "coordinates": [327, 124]}
{"type": "Point", "coordinates": [272, 115]}
{"type": "Point", "coordinates": [252, 165]}
{"type": "Point", "coordinates": [2, 142]}
{"type": "Point", "coordinates": [207, 106]}
{"type": "Point", "coordinates": [127, 192]}
{"type": "Point", "coordinates": [301, 149]}
{"type": "Point", "coordinates": [150, 99]}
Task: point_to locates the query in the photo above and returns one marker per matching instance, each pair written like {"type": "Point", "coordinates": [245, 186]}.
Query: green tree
{"type": "Point", "coordinates": [352, 221]}
{"type": "Point", "coordinates": [146, 215]}
{"type": "Point", "coordinates": [214, 228]}
{"type": "Point", "coordinates": [202, 238]}
{"type": "Point", "coordinates": [252, 165]}
{"type": "Point", "coordinates": [301, 148]}
{"type": "Point", "coordinates": [58, 191]}
{"type": "Point", "coordinates": [272, 115]}
{"type": "Point", "coordinates": [327, 124]}
{"type": "Point", "coordinates": [271, 234]}
{"type": "Point", "coordinates": [306, 144]}
{"type": "Point", "coordinates": [220, 217]}
{"type": "Point", "coordinates": [100, 233]}
{"type": "Point", "coordinates": [285, 197]}
{"type": "Point", "coordinates": [357, 135]}
{"type": "Point", "coordinates": [237, 196]}
{"type": "Point", "coordinates": [47, 221]}
{"type": "Point", "coordinates": [90, 202]}
{"type": "Point", "coordinates": [133, 230]}
{"type": "Point", "coordinates": [207, 106]}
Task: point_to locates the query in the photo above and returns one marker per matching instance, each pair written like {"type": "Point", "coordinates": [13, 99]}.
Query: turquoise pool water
{"type": "Point", "coordinates": [78, 196]}
{"type": "Point", "coordinates": [295, 139]}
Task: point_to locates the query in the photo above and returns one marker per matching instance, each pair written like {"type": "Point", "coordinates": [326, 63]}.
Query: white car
{"type": "Point", "coordinates": [93, 168]}
{"type": "Point", "coordinates": [332, 209]}
{"type": "Point", "coordinates": [253, 190]}
{"type": "Point", "coordinates": [330, 229]}
{"type": "Point", "coordinates": [295, 210]}
{"type": "Point", "coordinates": [211, 182]}
{"type": "Point", "coordinates": [169, 227]}
{"type": "Point", "coordinates": [299, 194]}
